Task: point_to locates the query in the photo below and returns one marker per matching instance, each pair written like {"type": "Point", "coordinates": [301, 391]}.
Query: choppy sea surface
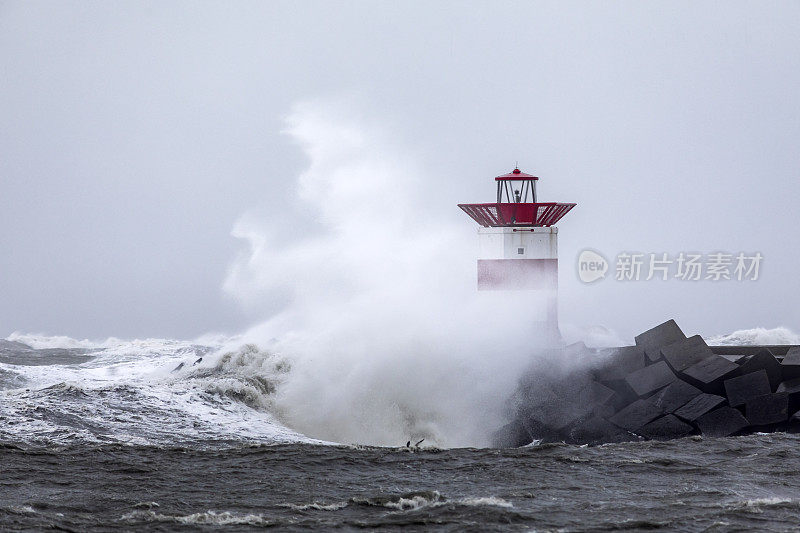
{"type": "Point", "coordinates": [110, 436]}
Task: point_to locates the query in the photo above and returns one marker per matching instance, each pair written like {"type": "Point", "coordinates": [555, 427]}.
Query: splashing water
{"type": "Point", "coordinates": [387, 336]}
{"type": "Point", "coordinates": [755, 336]}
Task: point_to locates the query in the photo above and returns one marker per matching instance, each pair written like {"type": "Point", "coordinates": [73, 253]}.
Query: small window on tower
{"type": "Point", "coordinates": [520, 251]}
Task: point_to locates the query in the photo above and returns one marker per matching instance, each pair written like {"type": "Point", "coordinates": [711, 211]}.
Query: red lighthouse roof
{"type": "Point", "coordinates": [517, 204]}
{"type": "Point", "coordinates": [516, 174]}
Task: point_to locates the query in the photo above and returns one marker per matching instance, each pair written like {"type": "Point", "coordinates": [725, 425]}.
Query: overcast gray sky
{"type": "Point", "coordinates": [133, 135]}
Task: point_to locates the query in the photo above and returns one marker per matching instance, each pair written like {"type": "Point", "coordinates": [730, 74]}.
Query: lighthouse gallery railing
{"type": "Point", "coordinates": [517, 214]}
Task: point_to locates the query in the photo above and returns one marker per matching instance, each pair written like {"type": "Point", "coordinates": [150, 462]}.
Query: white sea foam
{"type": "Point", "coordinates": [316, 506]}
{"type": "Point", "coordinates": [115, 346]}
{"type": "Point", "coordinates": [772, 500]}
{"type": "Point", "coordinates": [414, 502]}
{"type": "Point", "coordinates": [214, 518]}
{"type": "Point", "coordinates": [421, 500]}
{"type": "Point", "coordinates": [19, 509]}
{"type": "Point", "coordinates": [755, 336]}
{"type": "Point", "coordinates": [402, 504]}
{"type": "Point", "coordinates": [131, 392]}
{"type": "Point", "coordinates": [758, 505]}
{"type": "Point", "coordinates": [488, 500]}
{"type": "Point", "coordinates": [44, 341]}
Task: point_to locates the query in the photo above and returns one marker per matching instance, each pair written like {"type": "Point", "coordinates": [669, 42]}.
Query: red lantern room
{"type": "Point", "coordinates": [517, 204]}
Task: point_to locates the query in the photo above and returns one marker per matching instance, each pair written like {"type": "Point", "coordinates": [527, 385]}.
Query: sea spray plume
{"type": "Point", "coordinates": [387, 336]}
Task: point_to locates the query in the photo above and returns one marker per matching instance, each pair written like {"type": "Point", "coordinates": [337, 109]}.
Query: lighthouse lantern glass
{"type": "Point", "coordinates": [516, 191]}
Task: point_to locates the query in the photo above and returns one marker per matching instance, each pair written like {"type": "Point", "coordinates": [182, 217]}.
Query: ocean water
{"type": "Point", "coordinates": [169, 435]}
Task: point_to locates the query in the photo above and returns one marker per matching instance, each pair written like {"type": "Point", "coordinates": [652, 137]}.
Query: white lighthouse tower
{"type": "Point", "coordinates": [518, 242]}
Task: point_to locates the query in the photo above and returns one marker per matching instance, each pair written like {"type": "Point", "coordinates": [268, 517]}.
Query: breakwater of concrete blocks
{"type": "Point", "coordinates": [666, 386]}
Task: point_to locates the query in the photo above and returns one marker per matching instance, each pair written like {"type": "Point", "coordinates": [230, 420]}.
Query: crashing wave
{"type": "Point", "coordinates": [210, 518]}
{"type": "Point", "coordinates": [755, 336]}
{"type": "Point", "coordinates": [129, 392]}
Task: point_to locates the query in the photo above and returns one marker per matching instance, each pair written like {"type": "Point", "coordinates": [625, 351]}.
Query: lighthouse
{"type": "Point", "coordinates": [518, 241]}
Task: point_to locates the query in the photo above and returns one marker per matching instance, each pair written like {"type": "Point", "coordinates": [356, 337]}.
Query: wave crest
{"type": "Point", "coordinates": [755, 336]}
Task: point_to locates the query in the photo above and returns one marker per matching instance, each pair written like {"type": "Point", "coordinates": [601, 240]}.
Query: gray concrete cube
{"type": "Point", "coordinates": [742, 388]}
{"type": "Point", "coordinates": [698, 406]}
{"type": "Point", "coordinates": [656, 338]}
{"type": "Point", "coordinates": [722, 422]}
{"type": "Point", "coordinates": [767, 409]}
{"type": "Point", "coordinates": [763, 359]}
{"type": "Point", "coordinates": [665, 428]}
{"type": "Point", "coordinates": [675, 395]}
{"type": "Point", "coordinates": [790, 365]}
{"type": "Point", "coordinates": [650, 378]}
{"type": "Point", "coordinates": [685, 353]}
{"type": "Point", "coordinates": [636, 415]}
{"type": "Point", "coordinates": [708, 374]}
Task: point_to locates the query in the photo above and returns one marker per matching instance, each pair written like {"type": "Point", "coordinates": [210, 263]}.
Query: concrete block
{"type": "Point", "coordinates": [623, 394]}
{"type": "Point", "coordinates": [767, 409]}
{"type": "Point", "coordinates": [792, 390]}
{"type": "Point", "coordinates": [685, 353]}
{"type": "Point", "coordinates": [742, 388]}
{"type": "Point", "coordinates": [675, 395]}
{"type": "Point", "coordinates": [596, 430]}
{"type": "Point", "coordinates": [793, 426]}
{"type": "Point", "coordinates": [792, 356]}
{"type": "Point", "coordinates": [512, 435]}
{"type": "Point", "coordinates": [537, 430]}
{"type": "Point", "coordinates": [650, 378]}
{"type": "Point", "coordinates": [574, 399]}
{"type": "Point", "coordinates": [599, 394]}
{"type": "Point", "coordinates": [656, 338]}
{"type": "Point", "coordinates": [636, 415]}
{"type": "Point", "coordinates": [722, 422]}
{"type": "Point", "coordinates": [790, 366]}
{"type": "Point", "coordinates": [553, 417]}
{"type": "Point", "coordinates": [708, 374]}
{"type": "Point", "coordinates": [737, 358]}
{"type": "Point", "coordinates": [698, 406]}
{"type": "Point", "coordinates": [535, 390]}
{"type": "Point", "coordinates": [763, 359]}
{"type": "Point", "coordinates": [665, 428]}
{"type": "Point", "coordinates": [790, 387]}
{"type": "Point", "coordinates": [604, 411]}
{"type": "Point", "coordinates": [619, 363]}
{"type": "Point", "coordinates": [557, 403]}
